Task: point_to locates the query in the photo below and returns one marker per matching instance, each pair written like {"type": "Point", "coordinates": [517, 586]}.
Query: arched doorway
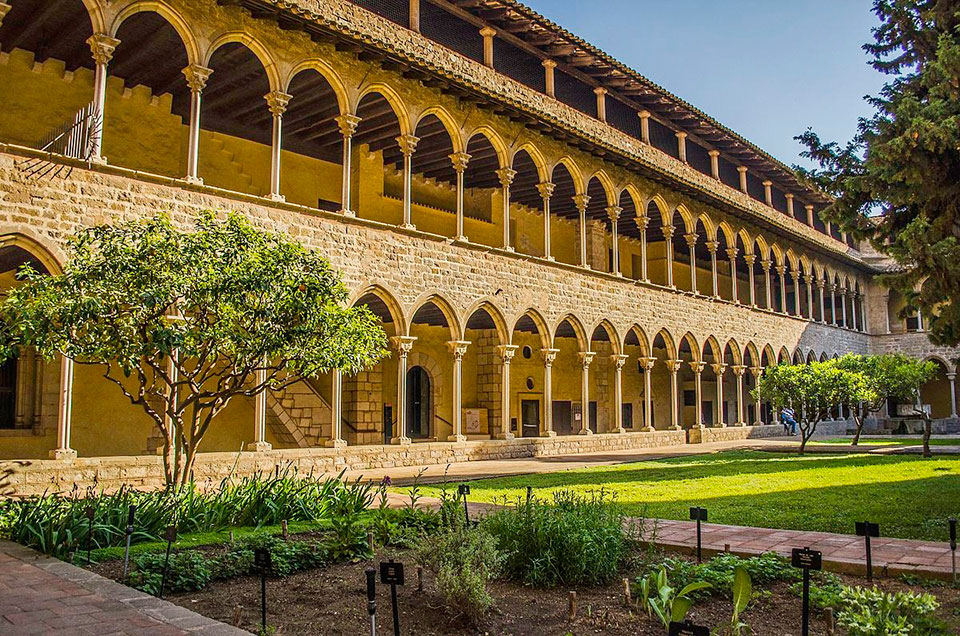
{"type": "Point", "coordinates": [418, 403]}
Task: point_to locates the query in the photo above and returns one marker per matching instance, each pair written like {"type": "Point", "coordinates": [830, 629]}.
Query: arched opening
{"type": "Point", "coordinates": [54, 35]}
{"type": "Point", "coordinates": [778, 287]}
{"type": "Point", "coordinates": [630, 237]}
{"type": "Point", "coordinates": [236, 123]}
{"type": "Point", "coordinates": [603, 399]}
{"type": "Point", "coordinates": [761, 280]}
{"type": "Point", "coordinates": [483, 201]}
{"type": "Point", "coordinates": [377, 186]}
{"type": "Point", "coordinates": [434, 179]}
{"type": "Point", "coordinates": [703, 262]}
{"type": "Point", "coordinates": [483, 416]}
{"type": "Point", "coordinates": [634, 380]}
{"type": "Point", "coordinates": [569, 413]}
{"type": "Point", "coordinates": [147, 109]}
{"type": "Point", "coordinates": [663, 409]}
{"type": "Point", "coordinates": [564, 233]}
{"type": "Point", "coordinates": [732, 390]}
{"type": "Point", "coordinates": [935, 394]}
{"type": "Point", "coordinates": [528, 374]}
{"type": "Point", "coordinates": [690, 415]}
{"type": "Point", "coordinates": [657, 256]}
{"type": "Point", "coordinates": [419, 402]}
{"type": "Point", "coordinates": [312, 160]}
{"type": "Point", "coordinates": [598, 228]}
{"type": "Point", "coordinates": [752, 362]}
{"type": "Point", "coordinates": [680, 255]}
{"type": "Point", "coordinates": [434, 325]}
{"type": "Point", "coordinates": [527, 227]}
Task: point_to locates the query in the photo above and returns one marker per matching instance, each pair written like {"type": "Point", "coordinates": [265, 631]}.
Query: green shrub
{"type": "Point", "coordinates": [719, 571]}
{"type": "Point", "coordinates": [872, 612]}
{"type": "Point", "coordinates": [58, 525]}
{"type": "Point", "coordinates": [575, 540]}
{"type": "Point", "coordinates": [464, 559]}
{"type": "Point", "coordinates": [825, 590]}
{"type": "Point", "coordinates": [668, 602]}
{"type": "Point", "coordinates": [188, 571]}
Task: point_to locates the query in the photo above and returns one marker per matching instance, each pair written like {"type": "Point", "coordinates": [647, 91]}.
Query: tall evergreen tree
{"type": "Point", "coordinates": [897, 182]}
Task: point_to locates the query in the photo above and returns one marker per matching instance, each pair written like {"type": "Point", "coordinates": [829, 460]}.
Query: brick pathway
{"type": "Point", "coordinates": [841, 552]}
{"type": "Point", "coordinates": [41, 595]}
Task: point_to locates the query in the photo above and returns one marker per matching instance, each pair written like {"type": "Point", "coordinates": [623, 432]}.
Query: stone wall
{"type": "Point", "coordinates": [731, 433]}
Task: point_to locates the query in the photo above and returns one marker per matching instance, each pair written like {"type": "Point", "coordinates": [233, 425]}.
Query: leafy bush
{"type": "Point", "coordinates": [58, 524]}
{"type": "Point", "coordinates": [825, 590]}
{"type": "Point", "coordinates": [575, 540]}
{"type": "Point", "coordinates": [188, 571]}
{"type": "Point", "coordinates": [464, 558]}
{"type": "Point", "coordinates": [719, 571]}
{"type": "Point", "coordinates": [872, 612]}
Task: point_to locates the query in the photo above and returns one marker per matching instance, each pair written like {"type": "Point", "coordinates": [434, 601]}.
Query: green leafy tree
{"type": "Point", "coordinates": [904, 161]}
{"type": "Point", "coordinates": [184, 321]}
{"type": "Point", "coordinates": [813, 390]}
{"type": "Point", "coordinates": [891, 376]}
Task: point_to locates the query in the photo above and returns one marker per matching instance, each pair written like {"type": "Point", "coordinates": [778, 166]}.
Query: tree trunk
{"type": "Point", "coordinates": [858, 420]}
{"type": "Point", "coordinates": [927, 430]}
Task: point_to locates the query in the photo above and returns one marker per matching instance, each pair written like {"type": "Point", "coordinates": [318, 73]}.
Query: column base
{"type": "Point", "coordinates": [550, 258]}
{"type": "Point", "coordinates": [346, 212]}
{"type": "Point", "coordinates": [509, 248]}
{"type": "Point", "coordinates": [457, 439]}
{"type": "Point", "coordinates": [193, 180]}
{"type": "Point", "coordinates": [401, 441]}
{"type": "Point", "coordinates": [505, 436]}
{"type": "Point", "coordinates": [647, 429]}
{"type": "Point", "coordinates": [461, 239]}
{"type": "Point", "coordinates": [720, 425]}
{"type": "Point", "coordinates": [618, 274]}
{"type": "Point", "coordinates": [740, 424]}
{"type": "Point", "coordinates": [548, 434]}
{"type": "Point", "coordinates": [408, 226]}
{"type": "Point", "coordinates": [585, 431]}
{"type": "Point", "coordinates": [335, 443]}
{"type": "Point", "coordinates": [617, 431]}
{"type": "Point", "coordinates": [259, 447]}
{"type": "Point", "coordinates": [676, 428]}
{"type": "Point", "coordinates": [63, 454]}
{"type": "Point", "coordinates": [99, 160]}
{"type": "Point", "coordinates": [279, 198]}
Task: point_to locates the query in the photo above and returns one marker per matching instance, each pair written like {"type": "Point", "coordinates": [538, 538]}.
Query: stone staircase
{"type": "Point", "coordinates": [298, 415]}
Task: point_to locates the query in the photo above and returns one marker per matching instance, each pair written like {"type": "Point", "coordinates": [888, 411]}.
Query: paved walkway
{"type": "Point", "coordinates": [42, 595]}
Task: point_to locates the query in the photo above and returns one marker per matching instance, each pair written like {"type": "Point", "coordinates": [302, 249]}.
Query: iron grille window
{"type": "Point", "coordinates": [452, 32]}
{"type": "Point", "coordinates": [519, 65]}
{"type": "Point", "coordinates": [395, 10]}
{"type": "Point", "coordinates": [575, 93]}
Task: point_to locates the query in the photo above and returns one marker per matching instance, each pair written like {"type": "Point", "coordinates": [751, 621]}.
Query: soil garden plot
{"type": "Point", "coordinates": [332, 600]}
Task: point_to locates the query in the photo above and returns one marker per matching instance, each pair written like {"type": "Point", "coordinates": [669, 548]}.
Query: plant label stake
{"type": "Point", "coordinates": [687, 629]}
{"type": "Point", "coordinates": [391, 574]}
{"type": "Point", "coordinates": [90, 515]}
{"type": "Point", "coordinates": [372, 599]}
{"type": "Point", "coordinates": [261, 561]}
{"type": "Point", "coordinates": [953, 546]}
{"type": "Point", "coordinates": [698, 514]}
{"type": "Point", "coordinates": [529, 494]}
{"type": "Point", "coordinates": [463, 490]}
{"type": "Point", "coordinates": [171, 539]}
{"type": "Point", "coordinates": [126, 552]}
{"type": "Point", "coordinates": [866, 530]}
{"type": "Point", "coordinates": [807, 560]}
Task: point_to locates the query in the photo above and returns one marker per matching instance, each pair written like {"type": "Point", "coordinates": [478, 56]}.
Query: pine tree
{"type": "Point", "coordinates": [897, 182]}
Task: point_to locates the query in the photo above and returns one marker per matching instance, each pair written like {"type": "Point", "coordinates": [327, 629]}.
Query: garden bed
{"type": "Point", "coordinates": [332, 600]}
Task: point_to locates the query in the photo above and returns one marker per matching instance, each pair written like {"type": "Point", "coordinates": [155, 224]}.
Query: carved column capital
{"type": "Point", "coordinates": [546, 190]}
{"type": "Point", "coordinates": [458, 348]}
{"type": "Point", "coordinates": [691, 239]}
{"type": "Point", "coordinates": [613, 212]}
{"type": "Point", "coordinates": [738, 370]}
{"type": "Point", "coordinates": [506, 352]}
{"type": "Point", "coordinates": [719, 368]}
{"type": "Point", "coordinates": [765, 264]}
{"type": "Point", "coordinates": [408, 144]}
{"type": "Point", "coordinates": [697, 367]}
{"type": "Point", "coordinates": [197, 77]}
{"type": "Point", "coordinates": [460, 161]}
{"type": "Point", "coordinates": [732, 253]}
{"type": "Point", "coordinates": [506, 176]}
{"type": "Point", "coordinates": [750, 258]}
{"type": "Point", "coordinates": [756, 371]}
{"type": "Point", "coordinates": [347, 124]}
{"type": "Point", "coordinates": [643, 221]}
{"type": "Point", "coordinates": [549, 356]}
{"type": "Point", "coordinates": [648, 363]}
{"type": "Point", "coordinates": [277, 102]}
{"type": "Point", "coordinates": [674, 365]}
{"type": "Point", "coordinates": [667, 231]}
{"type": "Point", "coordinates": [581, 201]}
{"type": "Point", "coordinates": [586, 357]}
{"type": "Point", "coordinates": [403, 344]}
{"type": "Point", "coordinates": [619, 359]}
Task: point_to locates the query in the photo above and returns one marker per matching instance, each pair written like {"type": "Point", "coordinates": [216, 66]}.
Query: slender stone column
{"type": "Point", "coordinates": [757, 415]}
{"type": "Point", "coordinates": [674, 366]}
{"type": "Point", "coordinates": [403, 345]}
{"type": "Point", "coordinates": [506, 355]}
{"type": "Point", "coordinates": [750, 259]}
{"type": "Point", "coordinates": [277, 103]}
{"type": "Point", "coordinates": [719, 369]}
{"type": "Point", "coordinates": [581, 201]}
{"type": "Point", "coordinates": [714, 163]}
{"type": "Point", "coordinates": [647, 364]}
{"type": "Point", "coordinates": [458, 348]}
{"type": "Point", "coordinates": [668, 250]}
{"type": "Point", "coordinates": [682, 146]}
{"type": "Point", "coordinates": [348, 126]}
{"type": "Point", "coordinates": [691, 239]}
{"type": "Point", "coordinates": [601, 94]}
{"type": "Point", "coordinates": [549, 356]}
{"type": "Point", "coordinates": [952, 377]}
{"type": "Point", "coordinates": [712, 247]}
{"type": "Point", "coordinates": [765, 264]}
{"type": "Point", "coordinates": [613, 213]}
{"type": "Point", "coordinates": [732, 253]}
{"type": "Point", "coordinates": [768, 193]}
{"type": "Point", "coordinates": [408, 144]}
{"type": "Point", "coordinates": [102, 47]}
{"type": "Point", "coordinates": [642, 223]}
{"type": "Point", "coordinates": [460, 161]}
{"type": "Point", "coordinates": [644, 126]}
{"type": "Point", "coordinates": [808, 279]}
{"type": "Point", "coordinates": [743, 178]}
{"type": "Point", "coordinates": [488, 33]}
{"type": "Point", "coordinates": [738, 370]}
{"type": "Point", "coordinates": [782, 271]}
{"type": "Point", "coordinates": [618, 361]}
{"type": "Point", "coordinates": [65, 413]}
{"type": "Point", "coordinates": [586, 357]}
{"type": "Point", "coordinates": [506, 176]}
{"type": "Point", "coordinates": [24, 389]}
{"type": "Point", "coordinates": [789, 198]}
{"type": "Point", "coordinates": [809, 209]}
{"type": "Point", "coordinates": [546, 191]}
{"type": "Point", "coordinates": [38, 363]}
{"type": "Point", "coordinates": [197, 77]}
{"type": "Point", "coordinates": [698, 407]}
{"type": "Point", "coordinates": [833, 304]}
{"type": "Point", "coordinates": [336, 410]}
{"type": "Point", "coordinates": [415, 15]}
{"type": "Point", "coordinates": [548, 79]}
{"type": "Point", "coordinates": [853, 309]}
{"type": "Point", "coordinates": [823, 307]}
{"type": "Point", "coordinates": [843, 308]}
{"type": "Point", "coordinates": [260, 443]}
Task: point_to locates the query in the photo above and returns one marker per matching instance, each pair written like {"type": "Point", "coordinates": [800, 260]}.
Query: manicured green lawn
{"type": "Point", "coordinates": [909, 497]}
{"type": "Point", "coordinates": [889, 441]}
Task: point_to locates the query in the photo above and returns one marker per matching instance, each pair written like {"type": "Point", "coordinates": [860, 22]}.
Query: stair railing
{"type": "Point", "coordinates": [77, 138]}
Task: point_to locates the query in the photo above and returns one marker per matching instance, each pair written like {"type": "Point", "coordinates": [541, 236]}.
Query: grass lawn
{"type": "Point", "coordinates": [889, 441]}
{"type": "Point", "coordinates": [910, 497]}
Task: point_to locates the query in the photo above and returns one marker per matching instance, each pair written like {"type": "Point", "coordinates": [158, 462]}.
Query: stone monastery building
{"type": "Point", "coordinates": [556, 245]}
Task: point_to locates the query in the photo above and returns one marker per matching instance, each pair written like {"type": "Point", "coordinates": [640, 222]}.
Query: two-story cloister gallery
{"type": "Point", "coordinates": [558, 248]}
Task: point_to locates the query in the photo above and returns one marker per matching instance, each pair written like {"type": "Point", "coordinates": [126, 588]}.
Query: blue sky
{"type": "Point", "coordinates": [768, 69]}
